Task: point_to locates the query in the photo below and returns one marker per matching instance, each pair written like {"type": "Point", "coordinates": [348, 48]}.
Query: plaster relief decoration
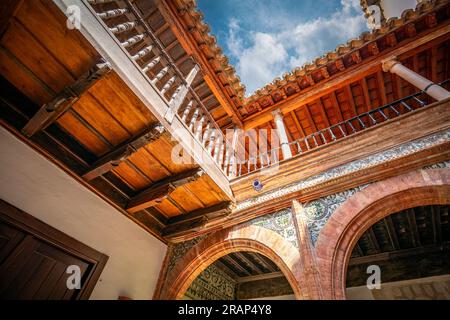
{"type": "Point", "coordinates": [178, 250]}
{"type": "Point", "coordinates": [319, 211]}
{"type": "Point", "coordinates": [280, 222]}
{"type": "Point", "coordinates": [349, 168]}
{"type": "Point", "coordinates": [212, 284]}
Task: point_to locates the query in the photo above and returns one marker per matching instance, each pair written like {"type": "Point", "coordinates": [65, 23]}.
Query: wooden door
{"type": "Point", "coordinates": [34, 258]}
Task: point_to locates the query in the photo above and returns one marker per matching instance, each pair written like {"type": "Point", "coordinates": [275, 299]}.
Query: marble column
{"type": "Point", "coordinates": [281, 129]}
{"type": "Point", "coordinates": [433, 90]}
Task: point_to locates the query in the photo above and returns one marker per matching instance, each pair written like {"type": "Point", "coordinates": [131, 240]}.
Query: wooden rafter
{"type": "Point", "coordinates": [310, 118]}
{"type": "Point", "coordinates": [436, 225]}
{"type": "Point", "coordinates": [161, 190]}
{"type": "Point", "coordinates": [123, 152]}
{"type": "Point", "coordinates": [297, 124]}
{"type": "Point", "coordinates": [389, 225]}
{"type": "Point", "coordinates": [235, 264]}
{"type": "Point", "coordinates": [373, 240]}
{"type": "Point", "coordinates": [433, 63]}
{"type": "Point", "coordinates": [411, 216]}
{"type": "Point", "coordinates": [365, 90]}
{"type": "Point", "coordinates": [359, 250]}
{"type": "Point", "coordinates": [265, 276]}
{"type": "Point", "coordinates": [161, 29]}
{"type": "Point", "coordinates": [382, 88]}
{"type": "Point", "coordinates": [351, 100]}
{"type": "Point", "coordinates": [247, 261]}
{"type": "Point", "coordinates": [214, 211]}
{"type": "Point", "coordinates": [323, 113]}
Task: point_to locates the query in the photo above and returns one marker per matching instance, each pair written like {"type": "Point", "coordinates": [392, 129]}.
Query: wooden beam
{"type": "Point", "coordinates": [8, 10]}
{"type": "Point", "coordinates": [264, 276]}
{"type": "Point", "coordinates": [64, 100]}
{"type": "Point", "coordinates": [115, 157]}
{"type": "Point", "coordinates": [351, 99]}
{"type": "Point", "coordinates": [219, 264]}
{"type": "Point", "coordinates": [247, 261]}
{"type": "Point", "coordinates": [382, 88]}
{"type": "Point", "coordinates": [386, 256]}
{"type": "Point", "coordinates": [207, 98]}
{"type": "Point", "coordinates": [389, 224]}
{"type": "Point", "coordinates": [359, 250]}
{"type": "Point", "coordinates": [214, 211]}
{"type": "Point", "coordinates": [346, 77]}
{"type": "Point", "coordinates": [297, 124]}
{"type": "Point", "coordinates": [365, 90]}
{"type": "Point", "coordinates": [411, 216]}
{"type": "Point", "coordinates": [228, 258]}
{"type": "Point", "coordinates": [323, 113]}
{"type": "Point", "coordinates": [436, 224]}
{"type": "Point", "coordinates": [162, 29]}
{"type": "Point", "coordinates": [310, 118]}
{"type": "Point", "coordinates": [433, 66]}
{"type": "Point", "coordinates": [373, 239]}
{"type": "Point", "coordinates": [161, 190]}
{"type": "Point", "coordinates": [266, 263]}
{"type": "Point", "coordinates": [195, 221]}
{"type": "Point", "coordinates": [336, 106]}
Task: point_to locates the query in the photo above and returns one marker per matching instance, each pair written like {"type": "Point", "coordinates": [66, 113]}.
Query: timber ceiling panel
{"type": "Point", "coordinates": [411, 244]}
{"type": "Point", "coordinates": [247, 264]}
{"type": "Point", "coordinates": [39, 58]}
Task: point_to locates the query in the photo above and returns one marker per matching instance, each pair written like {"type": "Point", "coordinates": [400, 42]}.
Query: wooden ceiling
{"type": "Point", "coordinates": [40, 58]}
{"type": "Point", "coordinates": [411, 244]}
{"type": "Point", "coordinates": [256, 275]}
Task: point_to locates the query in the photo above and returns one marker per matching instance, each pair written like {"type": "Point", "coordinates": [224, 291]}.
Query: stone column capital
{"type": "Point", "coordinates": [389, 63]}
{"type": "Point", "coordinates": [277, 113]}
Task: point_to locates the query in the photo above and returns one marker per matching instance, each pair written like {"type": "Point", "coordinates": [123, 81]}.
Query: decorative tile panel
{"type": "Point", "coordinates": [318, 212]}
{"type": "Point", "coordinates": [280, 222]}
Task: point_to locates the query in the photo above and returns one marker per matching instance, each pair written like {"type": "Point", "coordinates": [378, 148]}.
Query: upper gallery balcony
{"type": "Point", "coordinates": [114, 99]}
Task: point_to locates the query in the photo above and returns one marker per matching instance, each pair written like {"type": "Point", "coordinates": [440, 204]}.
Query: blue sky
{"type": "Point", "coordinates": [266, 38]}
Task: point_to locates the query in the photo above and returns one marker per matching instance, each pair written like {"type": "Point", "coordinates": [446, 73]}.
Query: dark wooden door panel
{"type": "Point", "coordinates": [34, 258]}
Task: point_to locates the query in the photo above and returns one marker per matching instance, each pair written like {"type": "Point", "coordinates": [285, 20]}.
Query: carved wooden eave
{"type": "Point", "coordinates": [392, 34]}
{"type": "Point", "coordinates": [195, 37]}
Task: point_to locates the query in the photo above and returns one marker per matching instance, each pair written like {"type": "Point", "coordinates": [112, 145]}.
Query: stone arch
{"type": "Point", "coordinates": [365, 208]}
{"type": "Point", "coordinates": [249, 238]}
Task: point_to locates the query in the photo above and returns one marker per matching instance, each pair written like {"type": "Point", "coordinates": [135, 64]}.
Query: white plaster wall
{"type": "Point", "coordinates": [38, 187]}
{"type": "Point", "coordinates": [394, 8]}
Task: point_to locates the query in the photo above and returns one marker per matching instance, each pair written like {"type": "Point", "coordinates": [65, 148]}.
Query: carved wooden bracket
{"type": "Point", "coordinates": [64, 100]}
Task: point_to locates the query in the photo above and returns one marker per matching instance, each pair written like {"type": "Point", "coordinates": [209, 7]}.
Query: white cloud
{"type": "Point", "coordinates": [262, 56]}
